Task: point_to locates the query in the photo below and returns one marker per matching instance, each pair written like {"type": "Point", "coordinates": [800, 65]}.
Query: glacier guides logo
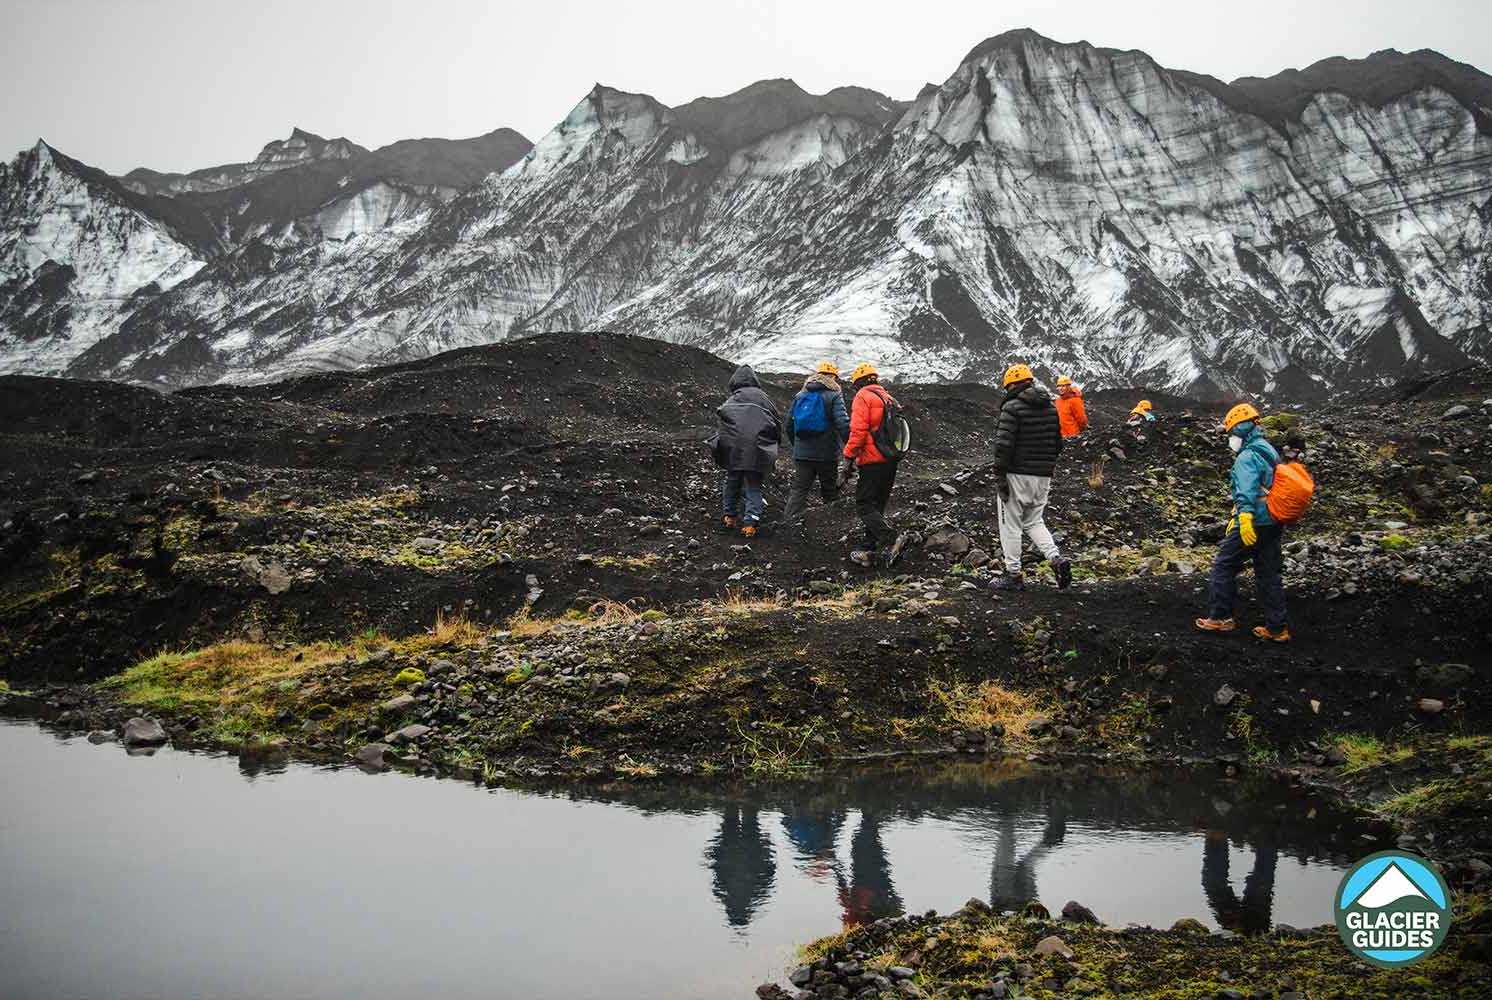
{"type": "Point", "coordinates": [1393, 909]}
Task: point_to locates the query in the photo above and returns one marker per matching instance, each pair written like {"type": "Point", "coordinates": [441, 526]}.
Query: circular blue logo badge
{"type": "Point", "coordinates": [1393, 909]}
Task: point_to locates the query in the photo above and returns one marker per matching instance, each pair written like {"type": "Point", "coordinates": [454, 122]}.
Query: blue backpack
{"type": "Point", "coordinates": [810, 414]}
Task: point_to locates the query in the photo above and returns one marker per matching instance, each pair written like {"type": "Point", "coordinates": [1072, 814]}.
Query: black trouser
{"type": "Point", "coordinates": [804, 474]}
{"type": "Point", "coordinates": [1269, 581]}
{"type": "Point", "coordinates": [872, 493]}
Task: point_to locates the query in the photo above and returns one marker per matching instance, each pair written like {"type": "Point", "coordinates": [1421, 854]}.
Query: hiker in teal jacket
{"type": "Point", "coordinates": [1252, 536]}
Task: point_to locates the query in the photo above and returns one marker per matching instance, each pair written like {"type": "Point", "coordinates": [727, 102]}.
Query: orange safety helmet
{"type": "Point", "coordinates": [827, 368]}
{"type": "Point", "coordinates": [1143, 406]}
{"type": "Point", "coordinates": [864, 370]}
{"type": "Point", "coordinates": [1237, 415]}
{"type": "Point", "coordinates": [1063, 381]}
{"type": "Point", "coordinates": [1014, 374]}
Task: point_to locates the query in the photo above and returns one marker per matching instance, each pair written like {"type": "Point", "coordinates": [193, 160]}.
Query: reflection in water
{"type": "Point", "coordinates": [741, 859]}
{"type": "Point", "coordinates": [1012, 882]}
{"type": "Point", "coordinates": [869, 894]}
{"type": "Point", "coordinates": [1253, 912]}
{"type": "Point", "coordinates": [1006, 803]}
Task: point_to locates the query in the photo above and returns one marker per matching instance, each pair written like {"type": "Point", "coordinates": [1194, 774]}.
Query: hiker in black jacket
{"type": "Point", "coordinates": [1028, 439]}
{"type": "Point", "coordinates": [745, 447]}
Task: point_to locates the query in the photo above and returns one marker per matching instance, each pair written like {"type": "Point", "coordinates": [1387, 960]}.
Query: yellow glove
{"type": "Point", "coordinates": [1232, 523]}
{"type": "Point", "coordinates": [1246, 530]}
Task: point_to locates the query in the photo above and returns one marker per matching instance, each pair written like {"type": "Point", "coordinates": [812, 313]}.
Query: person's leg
{"type": "Point", "coordinates": [828, 476]}
{"type": "Point", "coordinates": [1223, 582]}
{"type": "Point", "coordinates": [1010, 531]}
{"type": "Point", "coordinates": [1034, 491]}
{"type": "Point", "coordinates": [870, 500]}
{"type": "Point", "coordinates": [730, 494]}
{"type": "Point", "coordinates": [888, 480]}
{"type": "Point", "coordinates": [797, 495]}
{"type": "Point", "coordinates": [752, 484]}
{"type": "Point", "coordinates": [1269, 575]}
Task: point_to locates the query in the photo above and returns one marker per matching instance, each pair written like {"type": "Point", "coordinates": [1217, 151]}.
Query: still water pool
{"type": "Point", "coordinates": [185, 875]}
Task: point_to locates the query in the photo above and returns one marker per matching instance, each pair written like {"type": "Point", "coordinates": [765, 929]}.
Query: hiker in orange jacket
{"type": "Point", "coordinates": [877, 472]}
{"type": "Point", "coordinates": [1070, 411]}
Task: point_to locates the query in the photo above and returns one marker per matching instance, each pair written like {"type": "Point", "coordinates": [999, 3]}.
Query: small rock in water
{"type": "Point", "coordinates": [100, 736]}
{"type": "Point", "coordinates": [143, 733]}
{"type": "Point", "coordinates": [374, 756]}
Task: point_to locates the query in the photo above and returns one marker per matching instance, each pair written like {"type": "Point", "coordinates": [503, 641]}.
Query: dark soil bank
{"type": "Point", "coordinates": [505, 562]}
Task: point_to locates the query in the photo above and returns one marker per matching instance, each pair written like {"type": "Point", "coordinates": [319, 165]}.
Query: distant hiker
{"type": "Point", "coordinates": [1253, 533]}
{"type": "Point", "coordinates": [817, 427]}
{"type": "Point", "coordinates": [745, 446]}
{"type": "Point", "coordinates": [1070, 411]}
{"type": "Point", "coordinates": [1028, 439]}
{"type": "Point", "coordinates": [870, 452]}
{"type": "Point", "coordinates": [1142, 414]}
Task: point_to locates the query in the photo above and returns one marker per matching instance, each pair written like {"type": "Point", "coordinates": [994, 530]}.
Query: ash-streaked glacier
{"type": "Point", "coordinates": [1080, 208]}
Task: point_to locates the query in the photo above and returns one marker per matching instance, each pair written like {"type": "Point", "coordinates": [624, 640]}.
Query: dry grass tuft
{"type": "Point", "coordinates": [980, 706]}
{"type": "Point", "coordinates": [1095, 477]}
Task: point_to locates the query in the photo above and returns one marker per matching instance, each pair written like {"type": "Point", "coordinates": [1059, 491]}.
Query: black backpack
{"type": "Point", "coordinates": [893, 438]}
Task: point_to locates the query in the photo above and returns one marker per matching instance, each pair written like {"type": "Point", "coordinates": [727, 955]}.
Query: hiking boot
{"type": "Point", "coordinates": [749, 531]}
{"type": "Point", "coordinates": [1008, 581]}
{"type": "Point", "coordinates": [1267, 634]}
{"type": "Point", "coordinates": [863, 557]}
{"type": "Point", "coordinates": [1216, 624]}
{"type": "Point", "coordinates": [728, 521]}
{"type": "Point", "coordinates": [897, 546]}
{"type": "Point", "coordinates": [1063, 569]}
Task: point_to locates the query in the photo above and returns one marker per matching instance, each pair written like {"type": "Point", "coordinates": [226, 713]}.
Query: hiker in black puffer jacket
{"type": "Point", "coordinates": [1028, 439]}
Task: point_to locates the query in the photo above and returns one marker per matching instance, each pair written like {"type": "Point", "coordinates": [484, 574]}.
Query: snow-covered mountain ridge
{"type": "Point", "coordinates": [1080, 208]}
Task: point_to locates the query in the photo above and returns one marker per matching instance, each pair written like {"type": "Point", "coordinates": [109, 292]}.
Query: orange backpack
{"type": "Point", "coordinates": [1289, 496]}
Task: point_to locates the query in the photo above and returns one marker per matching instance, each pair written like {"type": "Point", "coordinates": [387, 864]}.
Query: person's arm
{"type": "Point", "coordinates": [1246, 479]}
{"type": "Point", "coordinates": [1005, 430]}
{"type": "Point", "coordinates": [841, 417]}
{"type": "Point", "coordinates": [1082, 413]}
{"type": "Point", "coordinates": [791, 438]}
{"type": "Point", "coordinates": [859, 425]}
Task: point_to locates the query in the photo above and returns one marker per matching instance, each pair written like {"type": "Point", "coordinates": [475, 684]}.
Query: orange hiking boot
{"type": "Point", "coordinates": [749, 531]}
{"type": "Point", "coordinates": [1263, 632]}
{"type": "Point", "coordinates": [1216, 624]}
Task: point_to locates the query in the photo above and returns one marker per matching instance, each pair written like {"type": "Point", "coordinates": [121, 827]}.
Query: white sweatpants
{"type": "Point", "coordinates": [1022, 513]}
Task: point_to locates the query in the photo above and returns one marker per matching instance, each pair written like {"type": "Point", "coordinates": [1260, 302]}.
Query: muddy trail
{"type": "Point", "coordinates": [555, 474]}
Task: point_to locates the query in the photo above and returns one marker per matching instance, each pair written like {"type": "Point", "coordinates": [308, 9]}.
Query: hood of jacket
{"type": "Point", "coordinates": [821, 380]}
{"type": "Point", "coordinates": [1031, 395]}
{"type": "Point", "coordinates": [744, 378]}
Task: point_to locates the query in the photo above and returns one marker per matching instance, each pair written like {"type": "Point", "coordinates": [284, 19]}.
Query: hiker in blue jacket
{"type": "Point", "coordinates": [817, 427]}
{"type": "Point", "coordinates": [1252, 535]}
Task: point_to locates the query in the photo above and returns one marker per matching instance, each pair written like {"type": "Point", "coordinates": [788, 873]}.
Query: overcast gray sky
{"type": "Point", "coordinates": [181, 84]}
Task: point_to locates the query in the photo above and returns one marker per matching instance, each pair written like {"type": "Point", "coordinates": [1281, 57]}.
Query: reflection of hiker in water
{"type": "Point", "coordinates": [1251, 913]}
{"type": "Point", "coordinates": [869, 894]}
{"type": "Point", "coordinates": [741, 859]}
{"type": "Point", "coordinates": [813, 831]}
{"type": "Point", "coordinates": [1012, 882]}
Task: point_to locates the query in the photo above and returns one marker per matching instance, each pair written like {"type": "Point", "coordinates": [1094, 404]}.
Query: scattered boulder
{"type": "Point", "coordinates": [1189, 925]}
{"type": "Point", "coordinates": [144, 733]}
{"type": "Point", "coordinates": [1053, 945]}
{"type": "Point", "coordinates": [1431, 706]}
{"type": "Point", "coordinates": [272, 577]}
{"type": "Point", "coordinates": [976, 559]}
{"type": "Point", "coordinates": [374, 756]}
{"type": "Point", "coordinates": [1224, 696]}
{"type": "Point", "coordinates": [100, 736]}
{"type": "Point", "coordinates": [949, 540]}
{"type": "Point", "coordinates": [1078, 913]}
{"type": "Point", "coordinates": [408, 734]}
{"type": "Point", "coordinates": [1456, 412]}
{"type": "Point", "coordinates": [397, 704]}
{"type": "Point", "coordinates": [428, 546]}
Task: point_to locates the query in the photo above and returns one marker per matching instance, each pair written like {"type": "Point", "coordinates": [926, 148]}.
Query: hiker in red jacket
{"type": "Point", "coordinates": [877, 472]}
